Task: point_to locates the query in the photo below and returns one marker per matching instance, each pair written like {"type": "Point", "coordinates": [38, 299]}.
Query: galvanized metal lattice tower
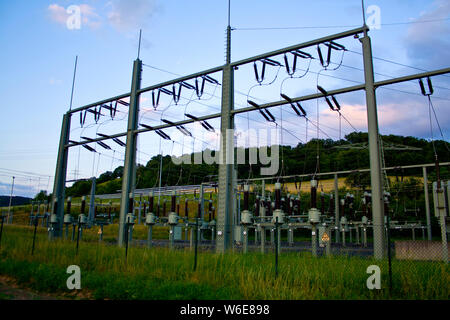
{"type": "Point", "coordinates": [224, 238]}
{"type": "Point", "coordinates": [376, 178]}
{"type": "Point", "coordinates": [129, 170]}
{"type": "Point", "coordinates": [59, 185]}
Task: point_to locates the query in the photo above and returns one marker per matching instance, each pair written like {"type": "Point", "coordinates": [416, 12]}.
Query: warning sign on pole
{"type": "Point", "coordinates": [325, 237]}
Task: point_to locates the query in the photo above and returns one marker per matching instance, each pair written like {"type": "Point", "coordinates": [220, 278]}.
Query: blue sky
{"type": "Point", "coordinates": [183, 37]}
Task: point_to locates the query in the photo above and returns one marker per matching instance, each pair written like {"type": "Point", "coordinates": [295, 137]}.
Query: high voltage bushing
{"type": "Point", "coordinates": [364, 222]}
{"type": "Point", "coordinates": [344, 227]}
{"type": "Point", "coordinates": [82, 220]}
{"type": "Point", "coordinates": [278, 215]}
{"type": "Point", "coordinates": [129, 218]}
{"type": "Point", "coordinates": [322, 203]}
{"type": "Point", "coordinates": [164, 208]}
{"type": "Point", "coordinates": [173, 219]}
{"type": "Point", "coordinates": [212, 225]}
{"type": "Point", "coordinates": [278, 212]}
{"type": "Point", "coordinates": [150, 219]}
{"type": "Point", "coordinates": [53, 219]}
{"type": "Point", "coordinates": [212, 222]}
{"type": "Point", "coordinates": [269, 206]}
{"type": "Point", "coordinates": [349, 204]}
{"type": "Point", "coordinates": [67, 217]}
{"type": "Point", "coordinates": [331, 204]}
{"type": "Point", "coordinates": [130, 215]}
{"type": "Point", "coordinates": [257, 205]}
{"type": "Point", "coordinates": [313, 213]}
{"type": "Point", "coordinates": [246, 217]}
{"type": "Point", "coordinates": [210, 209]}
{"type": "Point", "coordinates": [45, 213]}
{"type": "Point", "coordinates": [314, 217]}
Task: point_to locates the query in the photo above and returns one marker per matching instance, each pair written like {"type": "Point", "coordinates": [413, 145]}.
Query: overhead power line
{"type": "Point", "coordinates": [333, 27]}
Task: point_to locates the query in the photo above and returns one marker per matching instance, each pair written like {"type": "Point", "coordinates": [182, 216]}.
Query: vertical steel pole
{"type": "Point", "coordinates": [226, 167]}
{"type": "Point", "coordinates": [10, 200]}
{"type": "Point", "coordinates": [202, 210]}
{"type": "Point", "coordinates": [78, 235]}
{"type": "Point", "coordinates": [245, 246]}
{"type": "Point", "coordinates": [427, 202]}
{"type": "Point", "coordinates": [202, 199]}
{"type": "Point", "coordinates": [140, 209]}
{"type": "Point", "coordinates": [444, 236]}
{"type": "Point", "coordinates": [196, 243]}
{"type": "Point", "coordinates": [328, 243]}
{"type": "Point", "coordinates": [336, 207]}
{"type": "Point", "coordinates": [91, 214]}
{"type": "Point", "coordinates": [314, 240]}
{"type": "Point", "coordinates": [36, 221]}
{"type": "Point", "coordinates": [357, 234]}
{"type": "Point", "coordinates": [440, 207]}
{"type": "Point", "coordinates": [374, 152]}
{"type": "Point", "coordinates": [389, 250]}
{"type": "Point", "coordinates": [129, 171]}
{"type": "Point", "coordinates": [150, 236]}
{"type": "Point", "coordinates": [262, 209]}
{"type": "Point", "coordinates": [276, 247]}
{"type": "Point", "coordinates": [31, 213]}
{"type": "Point", "coordinates": [1, 229]}
{"type": "Point", "coordinates": [60, 175]}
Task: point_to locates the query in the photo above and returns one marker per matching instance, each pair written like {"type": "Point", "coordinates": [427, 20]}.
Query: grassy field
{"type": "Point", "coordinates": [162, 274]}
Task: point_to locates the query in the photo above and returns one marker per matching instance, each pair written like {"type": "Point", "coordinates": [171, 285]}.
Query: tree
{"type": "Point", "coordinates": [42, 196]}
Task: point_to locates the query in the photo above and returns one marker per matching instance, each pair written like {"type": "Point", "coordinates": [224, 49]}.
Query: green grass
{"type": "Point", "coordinates": [159, 273]}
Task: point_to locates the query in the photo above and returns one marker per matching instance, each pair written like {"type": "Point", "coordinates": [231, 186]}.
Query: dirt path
{"type": "Point", "coordinates": [9, 290]}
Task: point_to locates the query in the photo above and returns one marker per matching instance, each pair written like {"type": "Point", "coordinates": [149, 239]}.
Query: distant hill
{"type": "Point", "coordinates": [349, 154]}
{"type": "Point", "coordinates": [16, 201]}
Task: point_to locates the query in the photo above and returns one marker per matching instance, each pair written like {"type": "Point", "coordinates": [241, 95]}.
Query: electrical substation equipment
{"type": "Point", "coordinates": [246, 215]}
{"type": "Point", "coordinates": [278, 212]}
{"type": "Point", "coordinates": [173, 217]}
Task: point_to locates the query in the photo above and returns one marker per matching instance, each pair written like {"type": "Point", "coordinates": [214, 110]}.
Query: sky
{"type": "Point", "coordinates": [183, 37]}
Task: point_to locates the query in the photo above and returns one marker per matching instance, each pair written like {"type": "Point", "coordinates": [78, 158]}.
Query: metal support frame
{"type": "Point", "coordinates": [91, 212]}
{"type": "Point", "coordinates": [224, 239]}
{"type": "Point", "coordinates": [129, 171]}
{"type": "Point", "coordinates": [60, 176]}
{"type": "Point", "coordinates": [336, 208]}
{"type": "Point", "coordinates": [376, 178]}
{"type": "Point", "coordinates": [226, 197]}
{"type": "Point", "coordinates": [262, 213]}
{"type": "Point", "coordinates": [427, 202]}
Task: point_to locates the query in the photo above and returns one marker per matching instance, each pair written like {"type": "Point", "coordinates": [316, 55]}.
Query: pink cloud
{"type": "Point", "coordinates": [58, 14]}
{"type": "Point", "coordinates": [407, 118]}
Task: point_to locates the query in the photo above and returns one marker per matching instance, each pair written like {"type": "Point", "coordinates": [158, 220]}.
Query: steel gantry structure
{"type": "Point", "coordinates": [227, 181]}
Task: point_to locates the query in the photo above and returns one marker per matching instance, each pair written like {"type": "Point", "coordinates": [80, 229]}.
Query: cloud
{"type": "Point", "coordinates": [22, 190]}
{"type": "Point", "coordinates": [428, 44]}
{"type": "Point", "coordinates": [408, 118]}
{"type": "Point", "coordinates": [129, 15]}
{"type": "Point", "coordinates": [58, 14]}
